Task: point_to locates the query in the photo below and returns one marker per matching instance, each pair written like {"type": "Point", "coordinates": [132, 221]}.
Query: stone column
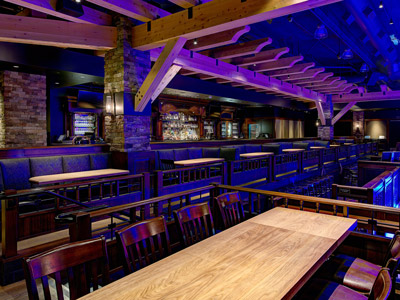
{"type": "Point", "coordinates": [325, 132]}
{"type": "Point", "coordinates": [125, 71]}
{"type": "Point", "coordinates": [358, 123]}
{"type": "Point", "coordinates": [22, 110]}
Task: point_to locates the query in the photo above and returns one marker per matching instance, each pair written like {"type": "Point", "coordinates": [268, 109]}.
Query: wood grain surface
{"type": "Point", "coordinates": [197, 161]}
{"type": "Point", "coordinates": [292, 150]}
{"type": "Point", "coordinates": [63, 177]}
{"type": "Point", "coordinates": [317, 147]}
{"type": "Point", "coordinates": [267, 257]}
{"type": "Point", "coordinates": [255, 154]}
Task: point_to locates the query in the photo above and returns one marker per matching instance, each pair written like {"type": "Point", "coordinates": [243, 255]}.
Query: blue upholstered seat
{"type": "Point", "coordinates": [396, 156]}
{"type": "Point", "coordinates": [195, 153]}
{"type": "Point", "coordinates": [229, 154]}
{"type": "Point", "coordinates": [286, 145]}
{"type": "Point", "coordinates": [181, 154]}
{"type": "Point", "coordinates": [387, 156]}
{"type": "Point", "coordinates": [41, 166]}
{"type": "Point", "coordinates": [322, 143]}
{"type": "Point", "coordinates": [252, 148]}
{"type": "Point", "coordinates": [16, 173]}
{"type": "Point", "coordinates": [100, 161]}
{"type": "Point", "coordinates": [301, 145]}
{"type": "Point", "coordinates": [165, 155]}
{"type": "Point", "coordinates": [211, 152]}
{"type": "Point", "coordinates": [272, 147]}
{"type": "Point", "coordinates": [76, 163]}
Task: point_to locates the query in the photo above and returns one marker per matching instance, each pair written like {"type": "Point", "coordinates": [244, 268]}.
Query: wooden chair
{"type": "Point", "coordinates": [231, 208]}
{"type": "Point", "coordinates": [359, 274]}
{"type": "Point", "coordinates": [141, 243]}
{"type": "Point", "coordinates": [195, 223]}
{"type": "Point", "coordinates": [80, 260]}
{"type": "Point", "coordinates": [322, 289]}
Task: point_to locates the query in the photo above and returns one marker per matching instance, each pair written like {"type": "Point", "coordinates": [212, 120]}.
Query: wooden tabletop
{"type": "Point", "coordinates": [197, 161]}
{"type": "Point", "coordinates": [317, 147]}
{"type": "Point", "coordinates": [332, 146]}
{"type": "Point", "coordinates": [255, 154]}
{"type": "Point", "coordinates": [267, 257]}
{"type": "Point", "coordinates": [292, 150]}
{"type": "Point", "coordinates": [348, 144]}
{"type": "Point", "coordinates": [63, 177]}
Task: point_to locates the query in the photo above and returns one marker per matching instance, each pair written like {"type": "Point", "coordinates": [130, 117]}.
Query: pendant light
{"type": "Point", "coordinates": [321, 32]}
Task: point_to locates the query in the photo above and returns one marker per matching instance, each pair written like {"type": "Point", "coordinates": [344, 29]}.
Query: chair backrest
{"type": "Point", "coordinates": [195, 222]}
{"type": "Point", "coordinates": [80, 260]}
{"type": "Point", "coordinates": [231, 208]}
{"type": "Point", "coordinates": [387, 156]}
{"type": "Point", "coordinates": [393, 250]}
{"type": "Point", "coordinates": [381, 290]}
{"type": "Point", "coordinates": [143, 243]}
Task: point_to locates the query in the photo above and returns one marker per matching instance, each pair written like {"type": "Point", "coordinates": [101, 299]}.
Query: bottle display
{"type": "Point", "coordinates": [209, 129]}
{"type": "Point", "coordinates": [84, 123]}
{"type": "Point", "coordinates": [178, 126]}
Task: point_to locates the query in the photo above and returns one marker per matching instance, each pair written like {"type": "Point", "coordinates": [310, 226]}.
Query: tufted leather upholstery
{"type": "Point", "coordinates": [16, 173]}
{"type": "Point", "coordinates": [252, 148]}
{"type": "Point", "coordinates": [76, 163]}
{"type": "Point", "coordinates": [46, 165]}
{"type": "Point", "coordinates": [100, 161]}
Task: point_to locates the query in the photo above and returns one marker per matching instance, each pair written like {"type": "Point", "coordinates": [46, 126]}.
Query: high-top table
{"type": "Point", "coordinates": [270, 256]}
{"type": "Point", "coordinates": [197, 161]}
{"type": "Point", "coordinates": [255, 154]}
{"type": "Point", "coordinates": [74, 176]}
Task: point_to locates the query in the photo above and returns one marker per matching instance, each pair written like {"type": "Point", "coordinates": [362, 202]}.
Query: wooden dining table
{"type": "Point", "coordinates": [197, 161]}
{"type": "Point", "coordinates": [317, 147]}
{"type": "Point", "coordinates": [292, 150]}
{"type": "Point", "coordinates": [74, 176]}
{"type": "Point", "coordinates": [269, 256]}
{"type": "Point", "coordinates": [255, 154]}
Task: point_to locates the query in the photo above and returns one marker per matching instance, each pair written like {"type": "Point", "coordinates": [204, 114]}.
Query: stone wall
{"type": "Point", "coordinates": [125, 70]}
{"type": "Point", "coordinates": [22, 110]}
{"type": "Point", "coordinates": [325, 132]}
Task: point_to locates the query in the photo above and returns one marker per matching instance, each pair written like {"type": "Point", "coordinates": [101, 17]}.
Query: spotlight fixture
{"type": "Point", "coordinates": [195, 42]}
{"type": "Point", "coordinates": [290, 18]}
{"type": "Point", "coordinates": [321, 32]}
{"type": "Point", "coordinates": [16, 67]}
{"type": "Point", "coordinates": [380, 5]}
{"type": "Point", "coordinates": [391, 21]}
{"type": "Point", "coordinates": [347, 54]}
{"type": "Point", "coordinates": [78, 1]}
{"type": "Point", "coordinates": [364, 68]}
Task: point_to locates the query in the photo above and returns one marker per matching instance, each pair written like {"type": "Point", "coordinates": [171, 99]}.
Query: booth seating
{"type": "Point", "coordinates": [15, 173]}
{"type": "Point", "coordinates": [343, 141]}
{"type": "Point", "coordinates": [393, 156]}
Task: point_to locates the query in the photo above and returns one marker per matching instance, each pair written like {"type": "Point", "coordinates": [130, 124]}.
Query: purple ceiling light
{"type": "Point", "coordinates": [321, 32]}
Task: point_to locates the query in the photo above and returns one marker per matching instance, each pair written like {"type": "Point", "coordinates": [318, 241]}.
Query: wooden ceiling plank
{"type": "Point", "coordinates": [90, 16]}
{"type": "Point", "coordinates": [310, 73]}
{"type": "Point", "coordinates": [339, 89]}
{"type": "Point", "coordinates": [238, 50]}
{"type": "Point", "coordinates": [185, 3]}
{"type": "Point", "coordinates": [283, 63]}
{"type": "Point", "coordinates": [27, 30]}
{"type": "Point", "coordinates": [297, 69]}
{"type": "Point", "coordinates": [136, 9]}
{"type": "Point", "coordinates": [258, 58]}
{"type": "Point", "coordinates": [206, 77]}
{"type": "Point", "coordinates": [323, 83]}
{"type": "Point", "coordinates": [319, 78]}
{"type": "Point", "coordinates": [367, 97]}
{"type": "Point", "coordinates": [236, 84]}
{"type": "Point", "coordinates": [158, 72]}
{"type": "Point", "coordinates": [321, 114]}
{"type": "Point", "coordinates": [223, 81]}
{"type": "Point", "coordinates": [335, 85]}
{"type": "Point", "coordinates": [216, 16]}
{"type": "Point", "coordinates": [218, 39]}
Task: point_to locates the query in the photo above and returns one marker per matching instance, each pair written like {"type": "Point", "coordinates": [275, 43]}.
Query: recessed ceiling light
{"type": "Point", "coordinates": [195, 42]}
{"type": "Point", "coordinates": [391, 22]}
{"type": "Point", "coordinates": [15, 67]}
{"type": "Point", "coordinates": [380, 5]}
{"type": "Point", "coordinates": [82, 76]}
{"type": "Point", "coordinates": [57, 83]}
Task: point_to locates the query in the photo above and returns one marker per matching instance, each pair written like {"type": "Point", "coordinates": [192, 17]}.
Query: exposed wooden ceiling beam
{"type": "Point", "coordinates": [323, 83]}
{"type": "Point", "coordinates": [335, 85]}
{"type": "Point", "coordinates": [206, 77]}
{"type": "Point", "coordinates": [321, 114]}
{"type": "Point", "coordinates": [367, 97]}
{"type": "Point", "coordinates": [238, 50]}
{"type": "Point", "coordinates": [135, 9]}
{"type": "Point", "coordinates": [297, 69]}
{"type": "Point", "coordinates": [340, 89]}
{"type": "Point", "coordinates": [283, 63]}
{"type": "Point", "coordinates": [172, 71]}
{"type": "Point", "coordinates": [206, 65]}
{"type": "Point", "coordinates": [185, 3]}
{"type": "Point", "coordinates": [262, 57]}
{"type": "Point", "coordinates": [47, 32]}
{"type": "Point", "coordinates": [311, 73]}
{"type": "Point", "coordinates": [223, 81]}
{"type": "Point", "coordinates": [216, 16]}
{"type": "Point", "coordinates": [343, 112]}
{"type": "Point", "coordinates": [158, 72]}
{"type": "Point", "coordinates": [236, 84]}
{"type": "Point", "coordinates": [218, 39]}
{"type": "Point", "coordinates": [318, 78]}
{"type": "Point", "coordinates": [90, 16]}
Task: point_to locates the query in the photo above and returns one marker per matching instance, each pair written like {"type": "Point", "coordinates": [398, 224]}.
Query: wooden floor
{"type": "Point", "coordinates": [15, 291]}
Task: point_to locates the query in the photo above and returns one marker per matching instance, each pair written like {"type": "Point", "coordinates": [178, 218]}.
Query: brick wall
{"type": "Point", "coordinates": [22, 110]}
{"type": "Point", "coordinates": [125, 69]}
